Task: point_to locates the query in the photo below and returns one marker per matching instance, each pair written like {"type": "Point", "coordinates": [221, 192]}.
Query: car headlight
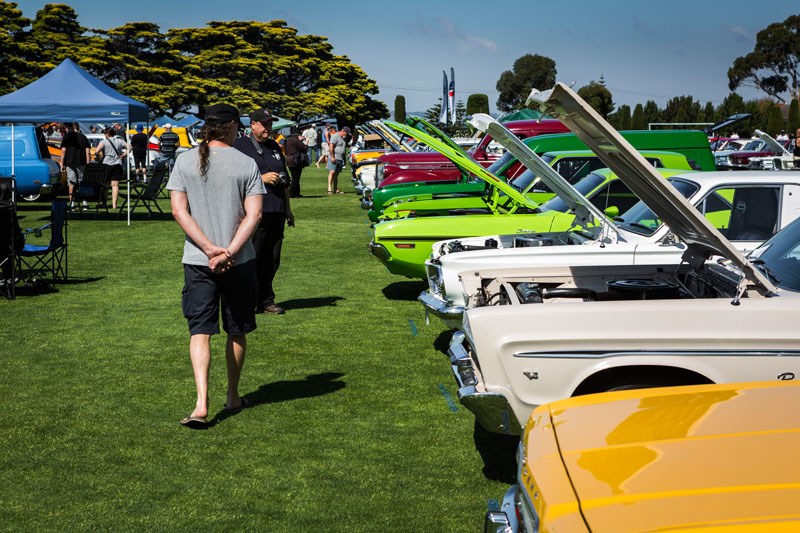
{"type": "Point", "coordinates": [378, 173]}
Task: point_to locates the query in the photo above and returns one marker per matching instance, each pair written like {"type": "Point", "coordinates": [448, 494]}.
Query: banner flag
{"type": "Point", "coordinates": [451, 96]}
{"type": "Point", "coordinates": [443, 112]}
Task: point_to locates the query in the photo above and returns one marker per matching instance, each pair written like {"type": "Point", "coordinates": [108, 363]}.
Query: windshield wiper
{"type": "Point", "coordinates": [762, 266]}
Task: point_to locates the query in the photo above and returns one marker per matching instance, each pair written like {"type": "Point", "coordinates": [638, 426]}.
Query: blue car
{"type": "Point", "coordinates": [35, 172]}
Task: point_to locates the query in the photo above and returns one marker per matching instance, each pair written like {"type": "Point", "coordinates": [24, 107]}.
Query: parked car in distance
{"type": "Point", "coordinates": [433, 166]}
{"type": "Point", "coordinates": [699, 458]}
{"type": "Point", "coordinates": [716, 317]}
{"type": "Point", "coordinates": [29, 162]}
{"type": "Point", "coordinates": [780, 157]}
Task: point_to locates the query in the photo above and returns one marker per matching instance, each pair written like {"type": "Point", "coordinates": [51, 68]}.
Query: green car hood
{"type": "Point", "coordinates": [702, 239]}
{"type": "Point", "coordinates": [466, 164]}
{"type": "Point", "coordinates": [423, 125]}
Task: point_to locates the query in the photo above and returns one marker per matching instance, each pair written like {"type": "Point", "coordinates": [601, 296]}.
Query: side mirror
{"type": "Point", "coordinates": [612, 212]}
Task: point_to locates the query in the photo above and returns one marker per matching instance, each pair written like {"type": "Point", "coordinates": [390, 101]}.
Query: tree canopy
{"type": "Point", "coordinates": [598, 96]}
{"type": "Point", "coordinates": [247, 63]}
{"type": "Point", "coordinates": [529, 71]}
{"type": "Point", "coordinates": [774, 64]}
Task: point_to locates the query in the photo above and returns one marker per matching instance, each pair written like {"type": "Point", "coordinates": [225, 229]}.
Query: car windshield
{"type": "Point", "coordinates": [779, 257]}
{"type": "Point", "coordinates": [584, 186]}
{"type": "Point", "coordinates": [753, 146]}
{"type": "Point", "coordinates": [640, 219]}
{"type": "Point", "coordinates": [501, 163]}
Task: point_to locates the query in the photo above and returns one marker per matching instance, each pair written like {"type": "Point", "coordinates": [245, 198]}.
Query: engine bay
{"type": "Point", "coordinates": [604, 283]}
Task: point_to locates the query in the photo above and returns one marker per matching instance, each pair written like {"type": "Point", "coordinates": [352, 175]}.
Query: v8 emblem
{"type": "Point", "coordinates": [531, 375]}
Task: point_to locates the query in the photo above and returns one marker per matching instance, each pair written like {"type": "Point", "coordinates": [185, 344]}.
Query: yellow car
{"type": "Point", "coordinates": [697, 458]}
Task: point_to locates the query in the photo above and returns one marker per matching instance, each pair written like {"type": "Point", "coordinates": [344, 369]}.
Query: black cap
{"type": "Point", "coordinates": [262, 115]}
{"type": "Point", "coordinates": [221, 113]}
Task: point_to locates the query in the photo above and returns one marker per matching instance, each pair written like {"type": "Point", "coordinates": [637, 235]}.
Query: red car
{"type": "Point", "coordinates": [412, 167]}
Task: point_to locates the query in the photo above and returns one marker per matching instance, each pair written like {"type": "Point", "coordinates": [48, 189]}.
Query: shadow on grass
{"type": "Point", "coordinates": [37, 287]}
{"type": "Point", "coordinates": [284, 391]}
{"type": "Point", "coordinates": [308, 303]}
{"type": "Point", "coordinates": [498, 453]}
{"type": "Point", "coordinates": [404, 290]}
{"type": "Point", "coordinates": [442, 342]}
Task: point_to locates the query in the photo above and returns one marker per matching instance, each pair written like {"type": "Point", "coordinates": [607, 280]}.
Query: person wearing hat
{"type": "Point", "coordinates": [168, 144]}
{"type": "Point", "coordinates": [215, 193]}
{"type": "Point", "coordinates": [139, 151]}
{"type": "Point", "coordinates": [276, 211]}
{"type": "Point", "coordinates": [336, 149]}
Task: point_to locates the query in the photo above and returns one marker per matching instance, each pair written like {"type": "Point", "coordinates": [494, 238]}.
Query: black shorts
{"type": "Point", "coordinates": [115, 173]}
{"type": "Point", "coordinates": [234, 291]}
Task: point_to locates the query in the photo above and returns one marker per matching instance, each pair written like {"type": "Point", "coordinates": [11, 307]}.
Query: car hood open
{"type": "Point", "coordinates": [702, 239]}
{"type": "Point", "coordinates": [465, 163]}
{"type": "Point", "coordinates": [585, 211]}
{"type": "Point", "coordinates": [772, 145]}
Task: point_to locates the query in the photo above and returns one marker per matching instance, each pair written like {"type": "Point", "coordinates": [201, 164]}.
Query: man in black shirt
{"type": "Point", "coordinates": [268, 236]}
{"type": "Point", "coordinates": [75, 153]}
{"type": "Point", "coordinates": [139, 150]}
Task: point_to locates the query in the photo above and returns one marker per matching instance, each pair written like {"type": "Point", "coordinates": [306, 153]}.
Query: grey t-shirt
{"type": "Point", "coordinates": [111, 156]}
{"type": "Point", "coordinates": [216, 200]}
{"type": "Point", "coordinates": [338, 146]}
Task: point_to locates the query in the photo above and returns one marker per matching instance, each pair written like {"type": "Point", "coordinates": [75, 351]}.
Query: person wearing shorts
{"type": "Point", "coordinates": [336, 150]}
{"type": "Point", "coordinates": [216, 193]}
{"type": "Point", "coordinates": [75, 153]}
{"type": "Point", "coordinates": [114, 151]}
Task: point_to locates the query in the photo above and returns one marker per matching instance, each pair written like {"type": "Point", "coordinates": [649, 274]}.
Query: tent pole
{"type": "Point", "coordinates": [128, 166]}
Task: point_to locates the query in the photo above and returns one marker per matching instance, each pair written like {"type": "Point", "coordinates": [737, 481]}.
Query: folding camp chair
{"type": "Point", "coordinates": [11, 239]}
{"type": "Point", "coordinates": [148, 193]}
{"type": "Point", "coordinates": [93, 188]}
{"type": "Point", "coordinates": [35, 262]}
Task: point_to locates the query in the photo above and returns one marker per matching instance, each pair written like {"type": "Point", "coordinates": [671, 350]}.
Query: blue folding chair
{"type": "Point", "coordinates": [36, 263]}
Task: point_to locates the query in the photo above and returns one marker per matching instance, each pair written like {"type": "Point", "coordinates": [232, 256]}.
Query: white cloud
{"type": "Point", "coordinates": [443, 30]}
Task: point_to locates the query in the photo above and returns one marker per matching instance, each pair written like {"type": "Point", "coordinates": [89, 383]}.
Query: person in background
{"type": "Point", "coordinates": [215, 193]}
{"type": "Point", "coordinates": [139, 151]}
{"type": "Point", "coordinates": [113, 151]}
{"type": "Point", "coordinates": [296, 159]}
{"type": "Point", "coordinates": [324, 156]}
{"type": "Point", "coordinates": [336, 151]}
{"type": "Point", "coordinates": [118, 131]}
{"type": "Point", "coordinates": [276, 211]}
{"type": "Point", "coordinates": [279, 138]}
{"type": "Point", "coordinates": [310, 136]}
{"type": "Point", "coordinates": [796, 149]}
{"type": "Point", "coordinates": [168, 144]}
{"type": "Point", "coordinates": [75, 153]}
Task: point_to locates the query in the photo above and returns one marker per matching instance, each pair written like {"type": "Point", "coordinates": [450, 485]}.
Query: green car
{"type": "Point", "coordinates": [572, 165]}
{"type": "Point", "coordinates": [692, 144]}
{"type": "Point", "coordinates": [403, 245]}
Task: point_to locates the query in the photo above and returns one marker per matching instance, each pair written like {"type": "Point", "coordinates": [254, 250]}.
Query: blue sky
{"type": "Point", "coordinates": [645, 50]}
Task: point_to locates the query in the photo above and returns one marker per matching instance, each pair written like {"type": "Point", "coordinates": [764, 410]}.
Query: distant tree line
{"type": "Point", "coordinates": [773, 67]}
{"type": "Point", "coordinates": [249, 64]}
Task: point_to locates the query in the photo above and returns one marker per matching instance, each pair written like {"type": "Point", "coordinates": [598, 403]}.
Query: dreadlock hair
{"type": "Point", "coordinates": [215, 132]}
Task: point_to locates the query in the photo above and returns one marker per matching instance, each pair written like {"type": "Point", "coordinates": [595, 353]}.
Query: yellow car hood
{"type": "Point", "coordinates": [722, 456]}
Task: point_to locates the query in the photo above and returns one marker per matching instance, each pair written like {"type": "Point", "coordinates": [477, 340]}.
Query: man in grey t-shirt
{"type": "Point", "coordinates": [216, 193]}
{"type": "Point", "coordinates": [337, 148]}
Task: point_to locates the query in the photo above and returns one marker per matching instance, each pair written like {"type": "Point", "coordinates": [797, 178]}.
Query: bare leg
{"type": "Point", "coordinates": [114, 193]}
{"type": "Point", "coordinates": [331, 188]}
{"type": "Point", "coordinates": [200, 354]}
{"type": "Point", "coordinates": [235, 349]}
{"type": "Point", "coordinates": [335, 185]}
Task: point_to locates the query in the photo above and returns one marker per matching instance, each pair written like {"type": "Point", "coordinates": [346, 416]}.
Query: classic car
{"type": "Point", "coordinates": [696, 458]}
{"type": "Point", "coordinates": [566, 331]}
{"type": "Point", "coordinates": [572, 165]}
{"type": "Point", "coordinates": [432, 166]}
{"type": "Point", "coordinates": [765, 202]}
{"type": "Point", "coordinates": [28, 162]}
{"type": "Point", "coordinates": [739, 159]}
{"type": "Point", "coordinates": [781, 157]}
{"type": "Point", "coordinates": [404, 245]}
{"type": "Point", "coordinates": [364, 162]}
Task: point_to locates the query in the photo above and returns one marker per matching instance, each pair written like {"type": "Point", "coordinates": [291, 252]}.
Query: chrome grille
{"type": "Point", "coordinates": [434, 276]}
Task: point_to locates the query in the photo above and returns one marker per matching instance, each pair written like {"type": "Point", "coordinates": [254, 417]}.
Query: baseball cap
{"type": "Point", "coordinates": [220, 113]}
{"type": "Point", "coordinates": [262, 115]}
{"type": "Point", "coordinates": [167, 126]}
{"type": "Point", "coordinates": [346, 129]}
{"type": "Point", "coordinates": [139, 127]}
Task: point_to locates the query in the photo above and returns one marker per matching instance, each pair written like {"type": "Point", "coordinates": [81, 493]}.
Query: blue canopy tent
{"type": "Point", "coordinates": [70, 94]}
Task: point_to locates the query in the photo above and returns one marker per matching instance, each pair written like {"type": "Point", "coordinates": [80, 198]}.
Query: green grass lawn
{"type": "Point", "coordinates": [354, 424]}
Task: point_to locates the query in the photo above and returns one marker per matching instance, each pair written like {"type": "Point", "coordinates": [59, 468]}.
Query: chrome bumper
{"type": "Point", "coordinates": [491, 410]}
{"type": "Point", "coordinates": [365, 203]}
{"type": "Point", "coordinates": [504, 520]}
{"type": "Point", "coordinates": [449, 314]}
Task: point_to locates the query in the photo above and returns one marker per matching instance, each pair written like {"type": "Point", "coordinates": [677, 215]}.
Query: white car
{"type": "Point", "coordinates": [564, 331]}
{"type": "Point", "coordinates": [784, 161]}
{"type": "Point", "coordinates": [764, 203]}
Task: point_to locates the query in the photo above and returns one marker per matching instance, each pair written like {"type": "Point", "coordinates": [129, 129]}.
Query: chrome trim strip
{"type": "Point", "coordinates": [440, 308]}
{"type": "Point", "coordinates": [709, 353]}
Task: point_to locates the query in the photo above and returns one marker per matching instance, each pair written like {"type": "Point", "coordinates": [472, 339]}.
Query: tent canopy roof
{"type": "Point", "coordinates": [70, 94]}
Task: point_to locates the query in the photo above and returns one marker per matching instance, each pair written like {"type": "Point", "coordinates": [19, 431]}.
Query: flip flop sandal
{"type": "Point", "coordinates": [195, 422]}
{"type": "Point", "coordinates": [242, 406]}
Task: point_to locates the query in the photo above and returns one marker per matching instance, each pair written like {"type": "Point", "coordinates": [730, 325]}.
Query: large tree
{"type": "Point", "coordinates": [477, 103]}
{"type": "Point", "coordinates": [16, 50]}
{"type": "Point", "coordinates": [774, 64]}
{"type": "Point", "coordinates": [598, 96]}
{"type": "Point", "coordinates": [529, 71]}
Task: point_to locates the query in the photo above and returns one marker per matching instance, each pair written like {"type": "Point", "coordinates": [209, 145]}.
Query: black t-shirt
{"type": "Point", "coordinates": [76, 144]}
{"type": "Point", "coordinates": [169, 143]}
{"type": "Point", "coordinates": [139, 143]}
{"type": "Point", "coordinates": [271, 160]}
